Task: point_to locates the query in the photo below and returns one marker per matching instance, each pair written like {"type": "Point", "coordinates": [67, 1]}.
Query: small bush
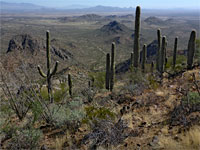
{"type": "Point", "coordinates": [192, 98]}
{"type": "Point", "coordinates": [99, 79]}
{"type": "Point", "coordinates": [25, 139]}
{"type": "Point", "coordinates": [94, 114]}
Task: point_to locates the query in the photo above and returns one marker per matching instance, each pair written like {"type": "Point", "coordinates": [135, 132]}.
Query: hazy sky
{"type": "Point", "coordinates": [120, 3]}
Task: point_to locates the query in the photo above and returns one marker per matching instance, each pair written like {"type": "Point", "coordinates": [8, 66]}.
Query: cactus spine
{"type": "Point", "coordinates": [175, 52]}
{"type": "Point", "coordinates": [158, 50]}
{"type": "Point", "coordinates": [70, 84]}
{"type": "Point", "coordinates": [144, 55]}
{"type": "Point", "coordinates": [107, 71]}
{"type": "Point", "coordinates": [191, 49]}
{"type": "Point", "coordinates": [112, 67]}
{"type": "Point", "coordinates": [136, 38]}
{"type": "Point", "coordinates": [162, 54]}
{"type": "Point", "coordinates": [50, 72]}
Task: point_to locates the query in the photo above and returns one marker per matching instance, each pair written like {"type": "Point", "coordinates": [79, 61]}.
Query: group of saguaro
{"type": "Point", "coordinates": [110, 69]}
{"type": "Point", "coordinates": [161, 56]}
{"type": "Point", "coordinates": [51, 72]}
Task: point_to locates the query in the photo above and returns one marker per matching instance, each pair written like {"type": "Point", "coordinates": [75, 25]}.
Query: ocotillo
{"type": "Point", "coordinates": [50, 72]}
{"type": "Point", "coordinates": [137, 36]}
{"type": "Point", "coordinates": [191, 49]}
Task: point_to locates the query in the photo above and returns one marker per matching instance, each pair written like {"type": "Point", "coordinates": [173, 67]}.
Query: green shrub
{"type": "Point", "coordinates": [99, 79]}
{"type": "Point", "coordinates": [153, 82]}
{"type": "Point", "coordinates": [25, 139]}
{"type": "Point", "coordinates": [192, 98]}
{"type": "Point", "coordinates": [137, 76]}
{"type": "Point", "coordinates": [180, 60]}
{"type": "Point", "coordinates": [94, 114]}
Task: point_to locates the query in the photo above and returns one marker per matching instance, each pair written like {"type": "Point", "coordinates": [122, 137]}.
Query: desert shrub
{"type": "Point", "coordinates": [180, 61]}
{"type": "Point", "coordinates": [99, 79]}
{"type": "Point", "coordinates": [192, 98]}
{"type": "Point", "coordinates": [25, 139]}
{"type": "Point", "coordinates": [137, 77]}
{"type": "Point", "coordinates": [60, 115]}
{"type": "Point", "coordinates": [153, 82]}
{"type": "Point", "coordinates": [94, 114]}
{"type": "Point", "coordinates": [61, 93]}
{"type": "Point", "coordinates": [186, 141]}
{"type": "Point", "coordinates": [106, 133]}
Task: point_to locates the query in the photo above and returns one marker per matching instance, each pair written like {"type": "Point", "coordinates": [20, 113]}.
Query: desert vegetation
{"type": "Point", "coordinates": [99, 96]}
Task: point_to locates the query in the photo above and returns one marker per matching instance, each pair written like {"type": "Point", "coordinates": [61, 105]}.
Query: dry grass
{"type": "Point", "coordinates": [186, 141]}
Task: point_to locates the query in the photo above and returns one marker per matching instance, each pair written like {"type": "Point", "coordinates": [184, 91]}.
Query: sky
{"type": "Point", "coordinates": [190, 4]}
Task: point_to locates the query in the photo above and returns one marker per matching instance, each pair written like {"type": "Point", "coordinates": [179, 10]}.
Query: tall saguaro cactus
{"type": "Point", "coordinates": [50, 72]}
{"type": "Point", "coordinates": [144, 55]}
{"type": "Point", "coordinates": [107, 71]}
{"type": "Point", "coordinates": [70, 84]}
{"type": "Point", "coordinates": [112, 67]}
{"type": "Point", "coordinates": [175, 52]}
{"type": "Point", "coordinates": [162, 55]}
{"type": "Point", "coordinates": [137, 36]}
{"type": "Point", "coordinates": [191, 49]}
{"type": "Point", "coordinates": [158, 50]}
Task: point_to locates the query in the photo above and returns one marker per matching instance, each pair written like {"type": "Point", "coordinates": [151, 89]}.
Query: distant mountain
{"type": "Point", "coordinates": [114, 27]}
{"type": "Point", "coordinates": [154, 21]}
{"type": "Point", "coordinates": [19, 7]}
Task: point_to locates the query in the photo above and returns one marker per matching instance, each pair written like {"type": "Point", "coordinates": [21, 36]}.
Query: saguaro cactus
{"type": "Point", "coordinates": [158, 50]}
{"type": "Point", "coordinates": [162, 54]}
{"type": "Point", "coordinates": [152, 66]}
{"type": "Point", "coordinates": [131, 63]}
{"type": "Point", "coordinates": [137, 36]}
{"type": "Point", "coordinates": [50, 72]}
{"type": "Point", "coordinates": [166, 59]}
{"type": "Point", "coordinates": [112, 67]}
{"type": "Point", "coordinates": [70, 84]}
{"type": "Point", "coordinates": [107, 71]}
{"type": "Point", "coordinates": [175, 52]}
{"type": "Point", "coordinates": [191, 49]}
{"type": "Point", "coordinates": [144, 55]}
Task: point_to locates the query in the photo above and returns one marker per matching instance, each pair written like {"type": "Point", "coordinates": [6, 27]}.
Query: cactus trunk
{"type": "Point", "coordinates": [136, 37]}
{"type": "Point", "coordinates": [162, 55]}
{"type": "Point", "coordinates": [175, 52]}
{"type": "Point", "coordinates": [108, 71]}
{"type": "Point", "coordinates": [158, 50]}
{"type": "Point", "coordinates": [191, 49]}
{"type": "Point", "coordinates": [131, 61]}
{"type": "Point", "coordinates": [70, 85]}
{"type": "Point", "coordinates": [144, 55]}
{"type": "Point", "coordinates": [112, 67]}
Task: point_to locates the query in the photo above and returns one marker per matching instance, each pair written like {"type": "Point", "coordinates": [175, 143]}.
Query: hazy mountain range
{"type": "Point", "coordinates": [28, 7]}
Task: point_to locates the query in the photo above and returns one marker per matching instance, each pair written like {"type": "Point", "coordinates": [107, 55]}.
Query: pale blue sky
{"type": "Point", "coordinates": [120, 3]}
